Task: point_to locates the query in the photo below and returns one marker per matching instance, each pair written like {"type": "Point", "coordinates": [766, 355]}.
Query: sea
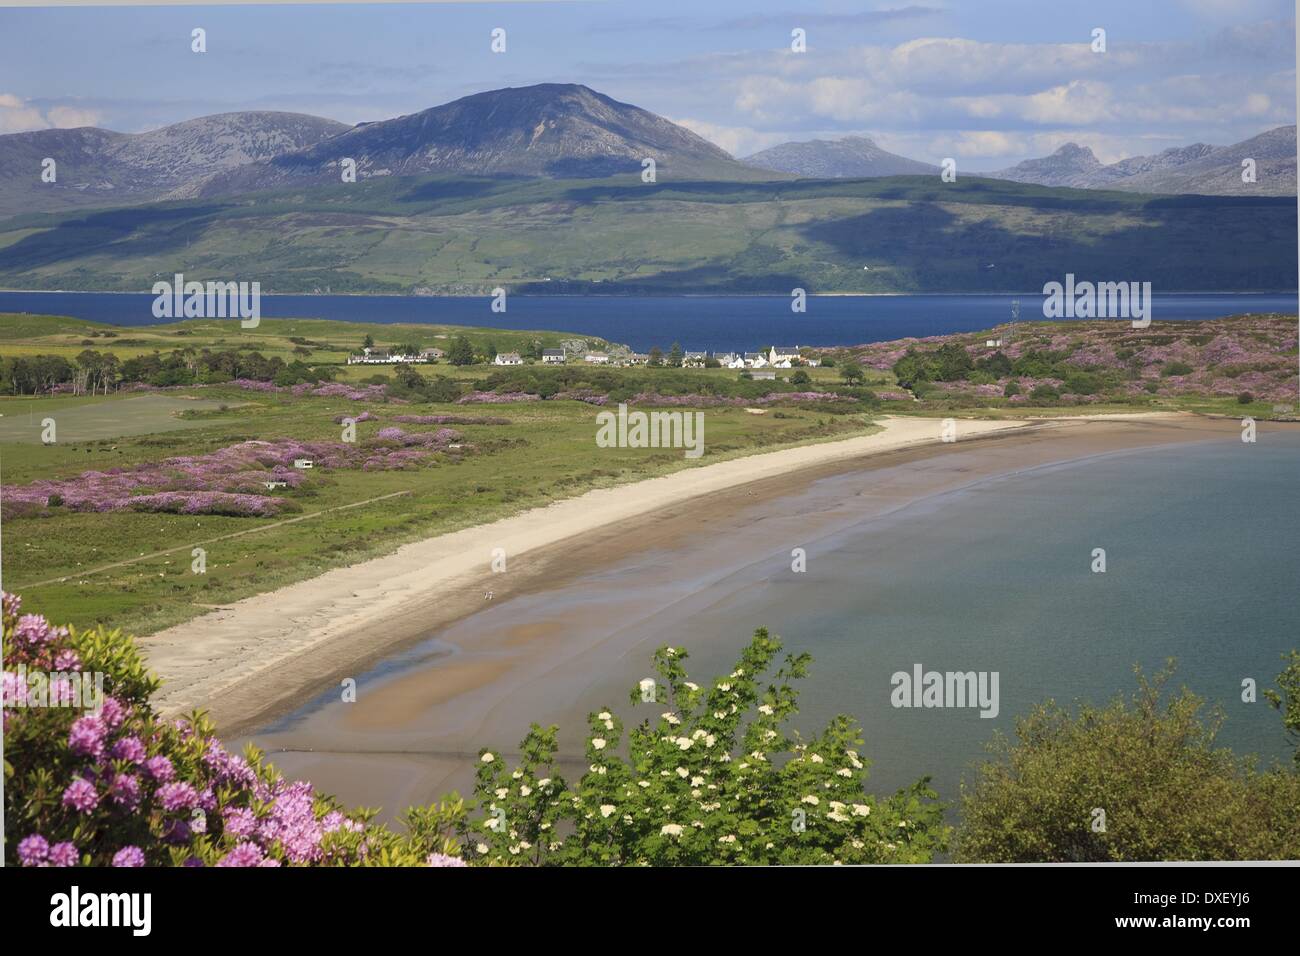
{"type": "Point", "coordinates": [997, 575]}
{"type": "Point", "coordinates": [699, 323]}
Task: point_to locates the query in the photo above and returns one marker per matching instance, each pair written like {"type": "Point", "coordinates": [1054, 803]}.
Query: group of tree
{"type": "Point", "coordinates": [33, 374]}
{"type": "Point", "coordinates": [951, 362]}
{"type": "Point", "coordinates": [96, 372]}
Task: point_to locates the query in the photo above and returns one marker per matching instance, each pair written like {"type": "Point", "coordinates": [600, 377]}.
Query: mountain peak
{"type": "Point", "coordinates": [851, 157]}
{"type": "Point", "coordinates": [547, 129]}
{"type": "Point", "coordinates": [1077, 154]}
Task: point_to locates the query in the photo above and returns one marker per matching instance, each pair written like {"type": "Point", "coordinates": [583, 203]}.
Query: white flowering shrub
{"type": "Point", "coordinates": [715, 777]}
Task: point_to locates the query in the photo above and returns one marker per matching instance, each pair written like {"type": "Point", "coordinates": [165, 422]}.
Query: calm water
{"type": "Point", "coordinates": [715, 323]}
{"type": "Point", "coordinates": [1202, 565]}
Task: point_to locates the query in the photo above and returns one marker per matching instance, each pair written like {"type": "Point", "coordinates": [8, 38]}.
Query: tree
{"type": "Point", "coordinates": [676, 355]}
{"type": "Point", "coordinates": [656, 357]}
{"type": "Point", "coordinates": [1150, 766]}
{"type": "Point", "coordinates": [1287, 699]}
{"type": "Point", "coordinates": [852, 374]}
{"type": "Point", "coordinates": [491, 350]}
{"type": "Point", "coordinates": [912, 368]}
{"type": "Point", "coordinates": [952, 362]}
{"type": "Point", "coordinates": [997, 364]}
{"type": "Point", "coordinates": [461, 352]}
{"type": "Point", "coordinates": [368, 342]}
{"type": "Point", "coordinates": [408, 377]}
{"type": "Point", "coordinates": [800, 378]}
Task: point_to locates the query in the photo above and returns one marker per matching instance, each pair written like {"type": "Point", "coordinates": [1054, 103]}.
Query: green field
{"type": "Point", "coordinates": [546, 452]}
{"type": "Point", "coordinates": [618, 235]}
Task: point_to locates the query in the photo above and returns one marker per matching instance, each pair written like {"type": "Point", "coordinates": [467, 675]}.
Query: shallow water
{"type": "Point", "coordinates": [991, 575]}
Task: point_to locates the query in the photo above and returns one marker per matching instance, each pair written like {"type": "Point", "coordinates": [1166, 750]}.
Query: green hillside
{"type": "Point", "coordinates": [619, 235]}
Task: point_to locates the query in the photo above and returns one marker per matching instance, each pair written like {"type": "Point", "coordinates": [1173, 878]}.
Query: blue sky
{"type": "Point", "coordinates": [988, 81]}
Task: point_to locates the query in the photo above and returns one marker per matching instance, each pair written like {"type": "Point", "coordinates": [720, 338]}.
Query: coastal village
{"type": "Point", "coordinates": [775, 357]}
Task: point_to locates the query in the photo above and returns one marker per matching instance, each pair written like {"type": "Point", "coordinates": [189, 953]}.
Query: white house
{"type": "Point", "coordinates": [508, 358]}
{"type": "Point", "coordinates": [694, 359]}
{"type": "Point", "coordinates": [552, 356]}
{"type": "Point", "coordinates": [597, 358]}
{"type": "Point", "coordinates": [755, 360]}
{"type": "Point", "coordinates": [636, 358]}
{"type": "Point", "coordinates": [302, 463]}
{"type": "Point", "coordinates": [431, 355]}
{"type": "Point", "coordinates": [993, 343]}
{"type": "Point", "coordinates": [272, 485]}
{"type": "Point", "coordinates": [764, 375]}
{"type": "Point", "coordinates": [784, 353]}
{"type": "Point", "coordinates": [375, 356]}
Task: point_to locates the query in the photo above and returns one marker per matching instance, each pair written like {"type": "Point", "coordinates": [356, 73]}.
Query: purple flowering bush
{"type": "Point", "coordinates": [117, 785]}
{"type": "Point", "coordinates": [497, 398]}
{"type": "Point", "coordinates": [450, 420]}
{"type": "Point", "coordinates": [1097, 361]}
{"type": "Point", "coordinates": [363, 417]}
{"type": "Point", "coordinates": [230, 481]}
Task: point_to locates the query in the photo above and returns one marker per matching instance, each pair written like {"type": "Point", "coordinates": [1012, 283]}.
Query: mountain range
{"type": "Point", "coordinates": [98, 167]}
{"type": "Point", "coordinates": [539, 189]}
{"type": "Point", "coordinates": [562, 131]}
{"type": "Point", "coordinates": [1199, 168]}
{"type": "Point", "coordinates": [550, 130]}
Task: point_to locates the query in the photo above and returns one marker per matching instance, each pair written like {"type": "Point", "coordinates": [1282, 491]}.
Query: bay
{"type": "Point", "coordinates": [712, 323]}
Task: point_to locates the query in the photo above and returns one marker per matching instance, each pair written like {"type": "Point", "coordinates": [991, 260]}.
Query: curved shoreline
{"type": "Point", "coordinates": [264, 656]}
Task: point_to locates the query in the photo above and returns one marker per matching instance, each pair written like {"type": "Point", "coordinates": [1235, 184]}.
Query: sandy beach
{"type": "Point", "coordinates": [262, 657]}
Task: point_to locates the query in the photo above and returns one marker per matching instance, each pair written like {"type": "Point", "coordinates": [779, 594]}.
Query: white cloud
{"type": "Point", "coordinates": [737, 140]}
{"type": "Point", "coordinates": [70, 117]}
{"type": "Point", "coordinates": [18, 115]}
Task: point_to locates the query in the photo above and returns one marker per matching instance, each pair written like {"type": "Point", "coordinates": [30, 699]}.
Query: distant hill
{"type": "Point", "coordinates": [461, 235]}
{"type": "Point", "coordinates": [1199, 168]}
{"type": "Point", "coordinates": [553, 129]}
{"type": "Point", "coordinates": [102, 167]}
{"type": "Point", "coordinates": [849, 158]}
{"type": "Point", "coordinates": [1071, 165]}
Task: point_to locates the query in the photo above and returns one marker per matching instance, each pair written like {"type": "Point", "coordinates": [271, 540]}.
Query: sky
{"type": "Point", "coordinates": [988, 82]}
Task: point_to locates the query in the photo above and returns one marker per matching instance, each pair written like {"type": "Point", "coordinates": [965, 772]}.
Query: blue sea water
{"type": "Point", "coordinates": [714, 323]}
{"type": "Point", "coordinates": [992, 576]}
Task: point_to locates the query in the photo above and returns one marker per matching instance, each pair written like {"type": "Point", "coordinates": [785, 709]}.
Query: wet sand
{"type": "Point", "coordinates": [264, 655]}
{"type": "Point", "coordinates": [576, 621]}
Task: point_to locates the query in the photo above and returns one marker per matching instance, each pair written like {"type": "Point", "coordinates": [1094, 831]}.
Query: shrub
{"type": "Point", "coordinates": [1245, 398]}
{"type": "Point", "coordinates": [715, 778]}
{"type": "Point", "coordinates": [1152, 767]}
{"type": "Point", "coordinates": [117, 785]}
{"type": "Point", "coordinates": [1175, 368]}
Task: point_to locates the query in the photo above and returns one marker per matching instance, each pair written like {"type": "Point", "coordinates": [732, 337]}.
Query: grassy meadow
{"type": "Point", "coordinates": [546, 452]}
